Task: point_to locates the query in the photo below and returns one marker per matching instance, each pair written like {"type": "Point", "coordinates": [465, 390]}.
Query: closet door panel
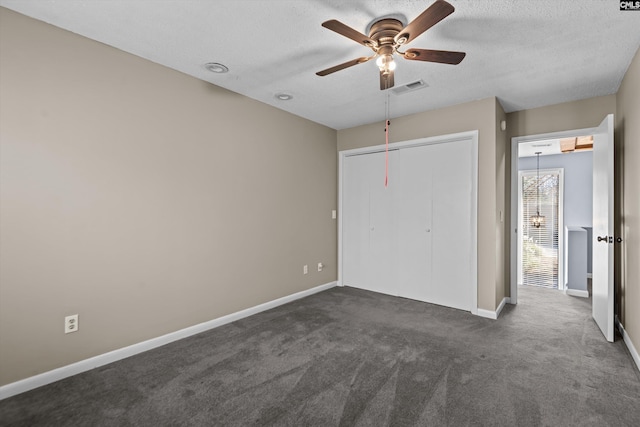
{"type": "Point", "coordinates": [369, 224]}
{"type": "Point", "coordinates": [355, 221]}
{"type": "Point", "coordinates": [415, 204]}
{"type": "Point", "coordinates": [383, 233]}
{"type": "Point", "coordinates": [451, 226]}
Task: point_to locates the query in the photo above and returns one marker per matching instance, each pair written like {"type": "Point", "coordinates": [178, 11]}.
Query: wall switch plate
{"type": "Point", "coordinates": [333, 214]}
{"type": "Point", "coordinates": [70, 323]}
{"type": "Point", "coordinates": [320, 266]}
{"type": "Point", "coordinates": [305, 269]}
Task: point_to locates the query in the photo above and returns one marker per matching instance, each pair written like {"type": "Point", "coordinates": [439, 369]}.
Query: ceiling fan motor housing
{"type": "Point", "coordinates": [384, 32]}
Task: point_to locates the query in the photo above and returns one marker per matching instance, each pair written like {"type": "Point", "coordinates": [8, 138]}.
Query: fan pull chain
{"type": "Point", "coordinates": [386, 154]}
{"type": "Point", "coordinates": [386, 138]}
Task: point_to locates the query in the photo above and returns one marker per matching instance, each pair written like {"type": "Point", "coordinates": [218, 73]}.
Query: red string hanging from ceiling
{"type": "Point", "coordinates": [386, 154]}
{"type": "Point", "coordinates": [386, 141]}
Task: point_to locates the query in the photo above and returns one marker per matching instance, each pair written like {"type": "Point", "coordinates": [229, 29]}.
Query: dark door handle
{"type": "Point", "coordinates": [606, 239]}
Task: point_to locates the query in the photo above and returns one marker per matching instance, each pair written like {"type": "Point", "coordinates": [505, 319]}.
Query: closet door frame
{"type": "Point", "coordinates": [472, 138]}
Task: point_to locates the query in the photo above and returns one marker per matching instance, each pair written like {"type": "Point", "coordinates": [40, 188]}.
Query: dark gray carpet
{"type": "Point", "coordinates": [354, 358]}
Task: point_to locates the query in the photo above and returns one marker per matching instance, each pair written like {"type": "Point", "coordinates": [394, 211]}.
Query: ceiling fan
{"type": "Point", "coordinates": [387, 35]}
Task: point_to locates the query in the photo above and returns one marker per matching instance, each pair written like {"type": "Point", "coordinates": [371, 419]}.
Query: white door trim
{"type": "Point", "coordinates": [515, 208]}
{"type": "Point", "coordinates": [471, 136]}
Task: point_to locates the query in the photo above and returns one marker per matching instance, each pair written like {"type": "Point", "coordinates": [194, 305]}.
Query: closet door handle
{"type": "Point", "coordinates": [606, 239]}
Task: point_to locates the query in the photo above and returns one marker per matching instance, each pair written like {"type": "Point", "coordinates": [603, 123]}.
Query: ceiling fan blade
{"type": "Point", "coordinates": [427, 19]}
{"type": "Point", "coordinates": [441, 56]}
{"type": "Point", "coordinates": [349, 32]}
{"type": "Point", "coordinates": [386, 80]}
{"type": "Point", "coordinates": [344, 65]}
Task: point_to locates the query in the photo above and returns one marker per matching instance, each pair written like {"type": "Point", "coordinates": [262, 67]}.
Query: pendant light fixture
{"type": "Point", "coordinates": [537, 220]}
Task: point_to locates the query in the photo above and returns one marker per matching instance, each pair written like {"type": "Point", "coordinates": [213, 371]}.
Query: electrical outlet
{"type": "Point", "coordinates": [71, 324]}
{"type": "Point", "coordinates": [320, 266]}
{"type": "Point", "coordinates": [305, 269]}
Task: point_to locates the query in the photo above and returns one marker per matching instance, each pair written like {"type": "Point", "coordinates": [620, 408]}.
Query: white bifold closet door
{"type": "Point", "coordinates": [370, 224]}
{"type": "Point", "coordinates": [412, 238]}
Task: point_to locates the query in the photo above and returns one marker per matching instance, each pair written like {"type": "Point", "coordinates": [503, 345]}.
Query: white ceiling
{"type": "Point", "coordinates": [528, 53]}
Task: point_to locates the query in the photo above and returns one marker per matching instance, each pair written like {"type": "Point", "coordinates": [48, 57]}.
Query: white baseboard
{"type": "Point", "coordinates": [577, 293]}
{"type": "Point", "coordinates": [487, 313]}
{"type": "Point", "coordinates": [501, 306]}
{"type": "Point", "coordinates": [493, 314]}
{"type": "Point", "coordinates": [630, 346]}
{"type": "Point", "coordinates": [113, 356]}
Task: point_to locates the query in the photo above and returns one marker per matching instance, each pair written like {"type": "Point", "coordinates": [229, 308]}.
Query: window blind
{"type": "Point", "coordinates": [540, 244]}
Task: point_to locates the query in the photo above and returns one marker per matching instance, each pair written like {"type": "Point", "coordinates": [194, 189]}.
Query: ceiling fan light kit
{"type": "Point", "coordinates": [387, 35]}
{"type": "Point", "coordinates": [386, 62]}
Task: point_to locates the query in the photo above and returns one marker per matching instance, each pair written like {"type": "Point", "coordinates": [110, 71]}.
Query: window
{"type": "Point", "coordinates": [539, 246]}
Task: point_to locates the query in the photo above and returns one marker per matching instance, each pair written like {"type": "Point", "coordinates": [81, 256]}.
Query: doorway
{"type": "Point", "coordinates": [547, 242]}
{"type": "Point", "coordinates": [602, 210]}
{"type": "Point", "coordinates": [541, 219]}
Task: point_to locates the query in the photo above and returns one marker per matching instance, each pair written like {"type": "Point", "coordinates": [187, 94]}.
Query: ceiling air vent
{"type": "Point", "coordinates": [410, 87]}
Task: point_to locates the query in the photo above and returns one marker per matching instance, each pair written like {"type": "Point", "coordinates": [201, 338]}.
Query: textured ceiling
{"type": "Point", "coordinates": [527, 53]}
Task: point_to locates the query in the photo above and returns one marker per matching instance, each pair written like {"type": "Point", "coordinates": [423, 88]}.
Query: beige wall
{"type": "Point", "coordinates": [628, 133]}
{"type": "Point", "coordinates": [142, 199]}
{"type": "Point", "coordinates": [580, 114]}
{"type": "Point", "coordinates": [501, 220]}
{"type": "Point", "coordinates": [148, 201]}
{"type": "Point", "coordinates": [477, 115]}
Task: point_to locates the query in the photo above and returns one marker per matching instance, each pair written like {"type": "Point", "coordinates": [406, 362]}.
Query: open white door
{"type": "Point", "coordinates": [602, 279]}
